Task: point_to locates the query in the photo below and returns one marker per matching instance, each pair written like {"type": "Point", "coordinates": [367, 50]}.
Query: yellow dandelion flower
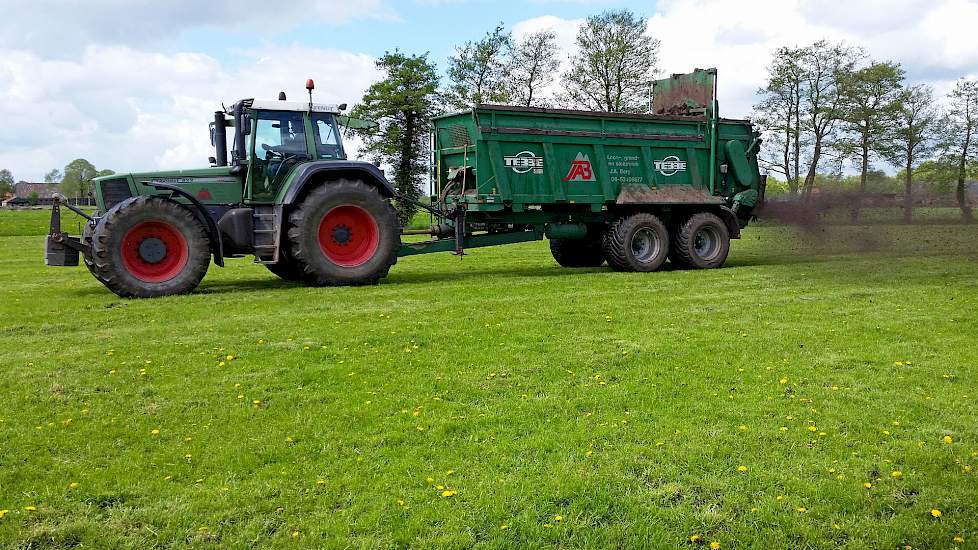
{"type": "Point", "coordinates": [295, 534]}
{"type": "Point", "coordinates": [695, 538]}
{"type": "Point", "coordinates": [155, 432]}
{"type": "Point", "coordinates": [741, 468]}
{"type": "Point", "coordinates": [400, 502]}
{"type": "Point", "coordinates": [783, 381]}
{"type": "Point", "coordinates": [73, 485]}
{"type": "Point", "coordinates": [935, 512]}
{"type": "Point", "coordinates": [547, 526]}
{"type": "Point", "coordinates": [504, 527]}
{"type": "Point", "coordinates": [715, 545]}
{"type": "Point", "coordinates": [256, 402]}
{"type": "Point", "coordinates": [448, 493]}
{"type": "Point", "coordinates": [188, 456]}
{"type": "Point", "coordinates": [958, 539]}
{"type": "Point", "coordinates": [229, 358]}
{"type": "Point", "coordinates": [948, 439]}
{"type": "Point", "coordinates": [30, 508]}
{"type": "Point", "coordinates": [743, 428]}
{"type": "Point", "coordinates": [167, 478]}
{"type": "Point", "coordinates": [320, 482]}
{"type": "Point", "coordinates": [221, 364]}
{"type": "Point", "coordinates": [812, 429]}
{"type": "Point", "coordinates": [896, 473]}
{"type": "Point", "coordinates": [3, 513]}
{"type": "Point", "coordinates": [802, 509]}
{"type": "Point", "coordinates": [868, 485]}
{"type": "Point", "coordinates": [440, 487]}
{"type": "Point", "coordinates": [558, 518]}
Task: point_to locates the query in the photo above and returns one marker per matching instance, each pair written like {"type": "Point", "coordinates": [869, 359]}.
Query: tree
{"type": "Point", "coordinates": [870, 99]}
{"type": "Point", "coordinates": [534, 63]}
{"type": "Point", "coordinates": [32, 198]}
{"type": "Point", "coordinates": [77, 180]}
{"type": "Point", "coordinates": [962, 133]}
{"type": "Point", "coordinates": [613, 65]}
{"type": "Point", "coordinates": [779, 112]}
{"type": "Point", "coordinates": [6, 182]}
{"type": "Point", "coordinates": [940, 175]}
{"type": "Point", "coordinates": [403, 104]}
{"type": "Point", "coordinates": [479, 71]}
{"type": "Point", "coordinates": [913, 136]}
{"type": "Point", "coordinates": [824, 66]}
{"type": "Point", "coordinates": [54, 176]}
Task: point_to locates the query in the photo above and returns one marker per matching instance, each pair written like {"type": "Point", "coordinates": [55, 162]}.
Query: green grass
{"type": "Point", "coordinates": [623, 403]}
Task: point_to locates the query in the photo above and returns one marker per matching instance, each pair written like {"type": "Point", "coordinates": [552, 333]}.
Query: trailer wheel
{"type": "Point", "coordinates": [586, 252]}
{"type": "Point", "coordinates": [146, 247]}
{"type": "Point", "coordinates": [344, 233]}
{"type": "Point", "coordinates": [700, 242]}
{"type": "Point", "coordinates": [638, 242]}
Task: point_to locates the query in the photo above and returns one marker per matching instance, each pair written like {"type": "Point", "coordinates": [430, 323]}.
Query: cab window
{"type": "Point", "coordinates": [279, 134]}
{"type": "Point", "coordinates": [328, 144]}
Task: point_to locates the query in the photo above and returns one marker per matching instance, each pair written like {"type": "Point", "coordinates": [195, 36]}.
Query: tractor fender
{"type": "Point", "coordinates": [311, 174]}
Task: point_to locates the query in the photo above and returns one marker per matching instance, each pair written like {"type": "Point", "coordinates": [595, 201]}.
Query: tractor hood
{"type": "Point", "coordinates": [212, 185]}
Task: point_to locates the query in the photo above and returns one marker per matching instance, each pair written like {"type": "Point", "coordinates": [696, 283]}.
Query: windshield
{"type": "Point", "coordinates": [328, 143]}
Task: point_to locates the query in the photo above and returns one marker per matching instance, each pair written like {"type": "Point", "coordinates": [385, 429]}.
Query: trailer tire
{"type": "Point", "coordinates": [702, 241]}
{"type": "Point", "coordinates": [639, 242]}
{"type": "Point", "coordinates": [146, 247]}
{"type": "Point", "coordinates": [586, 252]}
{"type": "Point", "coordinates": [344, 233]}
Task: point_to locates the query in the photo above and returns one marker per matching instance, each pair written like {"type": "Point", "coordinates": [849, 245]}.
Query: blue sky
{"type": "Point", "coordinates": [412, 26]}
{"type": "Point", "coordinates": [133, 89]}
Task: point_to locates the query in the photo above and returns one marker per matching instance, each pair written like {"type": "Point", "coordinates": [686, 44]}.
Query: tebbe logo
{"type": "Point", "coordinates": [524, 162]}
{"type": "Point", "coordinates": [670, 165]}
{"type": "Point", "coordinates": [580, 169]}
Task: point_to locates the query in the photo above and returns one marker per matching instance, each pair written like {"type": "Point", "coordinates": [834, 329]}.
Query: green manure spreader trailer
{"type": "Point", "coordinates": [632, 190]}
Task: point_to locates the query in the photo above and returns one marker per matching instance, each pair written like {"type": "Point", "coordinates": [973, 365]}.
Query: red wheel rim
{"type": "Point", "coordinates": [348, 235]}
{"type": "Point", "coordinates": [154, 251]}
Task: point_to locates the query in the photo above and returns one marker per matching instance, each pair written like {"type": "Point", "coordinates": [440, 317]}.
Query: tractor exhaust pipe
{"type": "Point", "coordinates": [220, 139]}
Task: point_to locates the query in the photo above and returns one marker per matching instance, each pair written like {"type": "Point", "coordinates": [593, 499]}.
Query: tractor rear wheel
{"type": "Point", "coordinates": [344, 233]}
{"type": "Point", "coordinates": [146, 247]}
{"type": "Point", "coordinates": [639, 242]}
{"type": "Point", "coordinates": [700, 242]}
{"type": "Point", "coordinates": [586, 252]}
{"type": "Point", "coordinates": [286, 268]}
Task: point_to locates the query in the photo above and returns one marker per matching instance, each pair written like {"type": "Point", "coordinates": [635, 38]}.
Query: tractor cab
{"type": "Point", "coordinates": [270, 138]}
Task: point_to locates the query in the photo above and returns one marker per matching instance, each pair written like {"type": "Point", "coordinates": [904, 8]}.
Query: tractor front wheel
{"type": "Point", "coordinates": [344, 233]}
{"type": "Point", "coordinates": [146, 247]}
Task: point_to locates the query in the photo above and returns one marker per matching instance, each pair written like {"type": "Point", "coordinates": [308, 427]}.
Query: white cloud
{"type": "Point", "coordinates": [56, 27]}
{"type": "Point", "coordinates": [127, 109]}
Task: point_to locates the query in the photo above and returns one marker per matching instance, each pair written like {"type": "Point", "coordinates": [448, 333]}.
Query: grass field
{"type": "Point", "coordinates": [820, 391]}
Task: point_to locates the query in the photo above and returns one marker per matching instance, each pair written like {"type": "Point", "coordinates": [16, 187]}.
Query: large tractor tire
{"type": "Point", "coordinates": [639, 242]}
{"type": "Point", "coordinates": [700, 242]}
{"type": "Point", "coordinates": [87, 234]}
{"type": "Point", "coordinates": [286, 268]}
{"type": "Point", "coordinates": [344, 233]}
{"type": "Point", "coordinates": [585, 252]}
{"type": "Point", "coordinates": [146, 247]}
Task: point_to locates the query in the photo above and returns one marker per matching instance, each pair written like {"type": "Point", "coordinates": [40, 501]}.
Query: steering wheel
{"type": "Point", "coordinates": [272, 150]}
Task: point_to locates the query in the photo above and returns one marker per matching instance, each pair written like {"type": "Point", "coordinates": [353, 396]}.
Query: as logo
{"type": "Point", "coordinates": [580, 169]}
{"type": "Point", "coordinates": [670, 166]}
{"type": "Point", "coordinates": [524, 162]}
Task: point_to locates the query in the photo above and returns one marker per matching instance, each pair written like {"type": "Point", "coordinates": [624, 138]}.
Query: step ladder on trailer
{"type": "Point", "coordinates": [267, 228]}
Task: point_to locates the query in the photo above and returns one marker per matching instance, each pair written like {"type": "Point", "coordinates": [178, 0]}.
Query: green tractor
{"type": "Point", "coordinates": [630, 190]}
{"type": "Point", "coordinates": [287, 195]}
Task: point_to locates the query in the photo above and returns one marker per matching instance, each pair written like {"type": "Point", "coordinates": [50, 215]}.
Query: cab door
{"type": "Point", "coordinates": [278, 144]}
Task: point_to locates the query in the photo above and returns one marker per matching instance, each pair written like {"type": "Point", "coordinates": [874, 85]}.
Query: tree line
{"type": "Point", "coordinates": [610, 70]}
{"type": "Point", "coordinates": [74, 180]}
{"type": "Point", "coordinates": [830, 104]}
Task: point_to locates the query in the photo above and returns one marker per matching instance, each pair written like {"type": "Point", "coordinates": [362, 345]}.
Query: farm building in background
{"type": "Point", "coordinates": [26, 194]}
